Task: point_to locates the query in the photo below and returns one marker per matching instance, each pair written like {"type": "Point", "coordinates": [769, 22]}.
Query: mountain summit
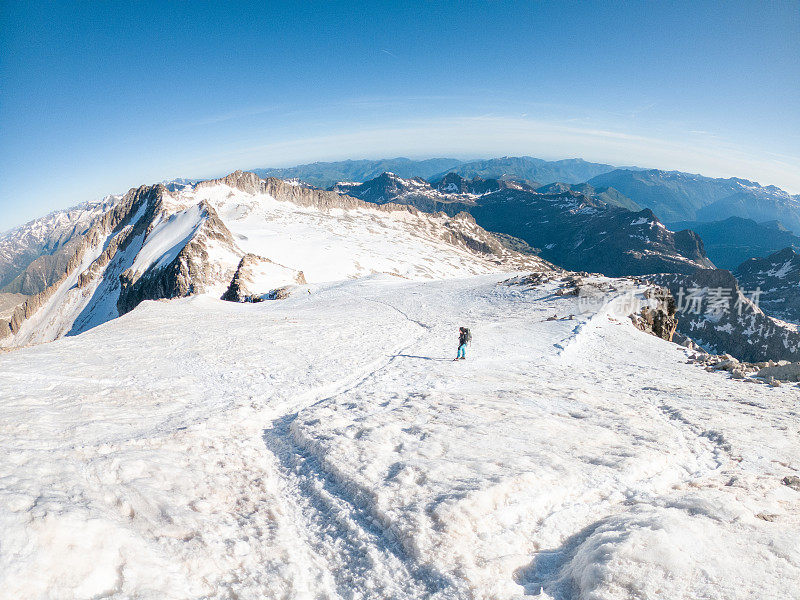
{"type": "Point", "coordinates": [159, 243]}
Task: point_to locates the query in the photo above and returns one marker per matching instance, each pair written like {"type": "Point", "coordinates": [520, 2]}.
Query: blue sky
{"type": "Point", "coordinates": [96, 98]}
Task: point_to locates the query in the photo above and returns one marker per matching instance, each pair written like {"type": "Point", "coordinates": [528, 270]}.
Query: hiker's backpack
{"type": "Point", "coordinates": [469, 335]}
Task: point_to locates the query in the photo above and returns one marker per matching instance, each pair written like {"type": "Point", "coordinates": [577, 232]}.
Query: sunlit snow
{"type": "Point", "coordinates": [326, 446]}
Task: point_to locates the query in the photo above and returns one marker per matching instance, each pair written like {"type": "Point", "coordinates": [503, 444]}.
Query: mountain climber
{"type": "Point", "coordinates": [464, 338]}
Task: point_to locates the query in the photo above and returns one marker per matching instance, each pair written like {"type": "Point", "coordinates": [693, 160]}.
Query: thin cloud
{"type": "Point", "coordinates": [230, 116]}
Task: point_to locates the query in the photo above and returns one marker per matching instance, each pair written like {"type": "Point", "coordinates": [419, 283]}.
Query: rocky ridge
{"type": "Point", "coordinates": [154, 243]}
{"type": "Point", "coordinates": [33, 256]}
{"type": "Point", "coordinates": [114, 229]}
{"type": "Point", "coordinates": [573, 230]}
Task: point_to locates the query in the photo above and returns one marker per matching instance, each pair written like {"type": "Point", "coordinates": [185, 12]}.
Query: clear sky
{"type": "Point", "coordinates": [98, 97]}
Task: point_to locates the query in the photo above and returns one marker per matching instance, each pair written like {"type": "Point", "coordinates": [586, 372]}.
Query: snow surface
{"type": "Point", "coordinates": [169, 236]}
{"type": "Point", "coordinates": [268, 276]}
{"type": "Point", "coordinates": [327, 446]}
{"type": "Point", "coordinates": [331, 245]}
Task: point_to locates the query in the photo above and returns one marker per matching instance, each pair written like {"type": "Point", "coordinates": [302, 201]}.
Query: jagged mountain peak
{"type": "Point", "coordinates": [160, 242]}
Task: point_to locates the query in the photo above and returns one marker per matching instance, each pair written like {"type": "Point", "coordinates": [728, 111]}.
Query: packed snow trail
{"type": "Point", "coordinates": [326, 446]}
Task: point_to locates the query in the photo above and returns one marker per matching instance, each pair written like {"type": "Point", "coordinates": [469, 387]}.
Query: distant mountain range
{"type": "Point", "coordinates": [325, 174]}
{"type": "Point", "coordinates": [676, 196]}
{"type": "Point", "coordinates": [533, 171]}
{"type": "Point", "coordinates": [572, 229]}
{"type": "Point", "coordinates": [734, 240]}
{"type": "Point", "coordinates": [672, 195]}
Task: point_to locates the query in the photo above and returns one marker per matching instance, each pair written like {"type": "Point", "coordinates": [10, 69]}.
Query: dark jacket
{"type": "Point", "coordinates": [462, 338]}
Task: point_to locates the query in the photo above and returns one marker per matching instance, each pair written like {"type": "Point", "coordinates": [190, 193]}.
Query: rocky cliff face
{"type": "Point", "coordinates": [718, 315]}
{"type": "Point", "coordinates": [777, 277]}
{"type": "Point", "coordinates": [571, 229]}
{"type": "Point", "coordinates": [190, 272]}
{"type": "Point", "coordinates": [659, 319]}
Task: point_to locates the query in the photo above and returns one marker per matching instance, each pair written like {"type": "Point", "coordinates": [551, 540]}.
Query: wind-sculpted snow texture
{"type": "Point", "coordinates": [326, 446]}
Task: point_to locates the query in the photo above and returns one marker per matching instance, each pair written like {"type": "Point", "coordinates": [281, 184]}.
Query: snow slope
{"type": "Point", "coordinates": [334, 244]}
{"type": "Point", "coordinates": [326, 446]}
{"type": "Point", "coordinates": [72, 308]}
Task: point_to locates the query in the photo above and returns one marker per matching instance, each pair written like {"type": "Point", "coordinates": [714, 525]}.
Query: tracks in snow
{"type": "Point", "coordinates": [337, 520]}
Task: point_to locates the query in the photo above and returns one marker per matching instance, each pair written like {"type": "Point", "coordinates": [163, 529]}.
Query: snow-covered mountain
{"type": "Point", "coordinates": [573, 230]}
{"type": "Point", "coordinates": [448, 194]}
{"type": "Point", "coordinates": [326, 446]}
{"type": "Point", "coordinates": [726, 316]}
{"type": "Point", "coordinates": [778, 278]}
{"type": "Point", "coordinates": [165, 242]}
{"type": "Point", "coordinates": [34, 255]}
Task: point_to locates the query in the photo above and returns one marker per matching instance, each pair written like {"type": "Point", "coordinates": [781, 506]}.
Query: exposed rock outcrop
{"type": "Point", "coordinates": [257, 276]}
{"type": "Point", "coordinates": [658, 320]}
{"type": "Point", "coordinates": [784, 372]}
